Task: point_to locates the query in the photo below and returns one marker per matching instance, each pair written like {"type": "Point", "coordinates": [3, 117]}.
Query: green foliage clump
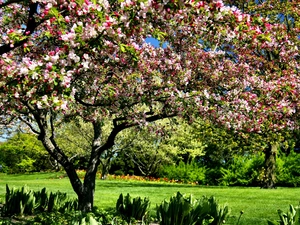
{"type": "Point", "coordinates": [70, 218]}
{"type": "Point", "coordinates": [181, 210]}
{"type": "Point", "coordinates": [190, 172]}
{"type": "Point", "coordinates": [26, 202]}
{"type": "Point", "coordinates": [23, 153]}
{"type": "Point", "coordinates": [119, 172]}
{"type": "Point", "coordinates": [243, 171]}
{"type": "Point", "coordinates": [20, 201]}
{"type": "Point", "coordinates": [289, 218]}
{"type": "Point", "coordinates": [97, 217]}
{"type": "Point", "coordinates": [288, 170]}
{"type": "Point", "coordinates": [135, 208]}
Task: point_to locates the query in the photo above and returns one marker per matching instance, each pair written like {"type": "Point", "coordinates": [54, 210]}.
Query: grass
{"type": "Point", "coordinates": [258, 204]}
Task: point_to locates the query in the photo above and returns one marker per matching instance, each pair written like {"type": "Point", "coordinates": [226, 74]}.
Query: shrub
{"type": "Point", "coordinates": [288, 170]}
{"type": "Point", "coordinates": [244, 171]}
{"type": "Point", "coordinates": [213, 176]}
{"type": "Point", "coordinates": [119, 173]}
{"type": "Point", "coordinates": [184, 172]}
{"type": "Point", "coordinates": [130, 172]}
{"type": "Point", "coordinates": [24, 153]}
{"type": "Point", "coordinates": [3, 168]}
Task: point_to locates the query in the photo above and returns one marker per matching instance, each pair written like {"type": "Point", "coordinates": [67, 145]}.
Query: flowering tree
{"type": "Point", "coordinates": [64, 59]}
{"type": "Point", "coordinates": [272, 104]}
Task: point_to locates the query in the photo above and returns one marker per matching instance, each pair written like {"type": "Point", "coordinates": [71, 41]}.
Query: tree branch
{"type": "Point", "coordinates": [30, 28]}
{"type": "Point", "coordinates": [79, 100]}
{"type": "Point", "coordinates": [119, 127]}
{"type": "Point", "coordinates": [29, 125]}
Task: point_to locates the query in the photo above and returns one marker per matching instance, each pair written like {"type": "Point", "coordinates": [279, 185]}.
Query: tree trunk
{"type": "Point", "coordinates": [86, 194]}
{"type": "Point", "coordinates": [85, 190]}
{"type": "Point", "coordinates": [86, 197]}
{"type": "Point", "coordinates": [270, 166]}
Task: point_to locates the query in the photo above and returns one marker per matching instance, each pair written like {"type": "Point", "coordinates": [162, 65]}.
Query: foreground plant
{"type": "Point", "coordinates": [19, 202]}
{"type": "Point", "coordinates": [132, 208]}
{"type": "Point", "coordinates": [181, 210]}
{"type": "Point", "coordinates": [289, 218]}
{"type": "Point", "coordinates": [26, 202]}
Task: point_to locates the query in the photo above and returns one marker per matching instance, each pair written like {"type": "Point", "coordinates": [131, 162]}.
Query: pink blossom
{"type": "Point", "coordinates": [67, 19]}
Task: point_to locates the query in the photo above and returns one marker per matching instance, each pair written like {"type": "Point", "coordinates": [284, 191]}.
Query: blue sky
{"type": "Point", "coordinates": [152, 41]}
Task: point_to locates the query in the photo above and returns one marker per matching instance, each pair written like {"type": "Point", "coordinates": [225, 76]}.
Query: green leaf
{"type": "Point", "coordinates": [53, 12]}
{"type": "Point", "coordinates": [80, 2]}
{"type": "Point", "coordinates": [122, 47]}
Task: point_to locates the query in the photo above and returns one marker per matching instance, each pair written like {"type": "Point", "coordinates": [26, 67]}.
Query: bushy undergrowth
{"type": "Point", "coordinates": [46, 209]}
{"type": "Point", "coordinates": [244, 171]}
{"type": "Point", "coordinates": [97, 217]}
{"type": "Point", "coordinates": [288, 170]}
{"type": "Point", "coordinates": [179, 210]}
{"type": "Point", "coordinates": [240, 171]}
{"type": "Point", "coordinates": [186, 173]}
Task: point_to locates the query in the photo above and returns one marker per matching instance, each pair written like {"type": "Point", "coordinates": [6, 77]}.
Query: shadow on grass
{"type": "Point", "coordinates": [32, 176]}
{"type": "Point", "coordinates": [121, 183]}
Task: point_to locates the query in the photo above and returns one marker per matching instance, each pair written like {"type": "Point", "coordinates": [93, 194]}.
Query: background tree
{"type": "Point", "coordinates": [224, 145]}
{"type": "Point", "coordinates": [161, 143]}
{"type": "Point", "coordinates": [274, 99]}
{"type": "Point", "coordinates": [144, 149]}
{"type": "Point", "coordinates": [24, 153]}
{"type": "Point", "coordinates": [75, 137]}
{"type": "Point", "coordinates": [63, 60]}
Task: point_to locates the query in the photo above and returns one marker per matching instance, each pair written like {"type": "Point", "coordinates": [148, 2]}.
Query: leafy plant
{"type": "Point", "coordinates": [19, 201]}
{"type": "Point", "coordinates": [288, 170]}
{"type": "Point", "coordinates": [85, 220]}
{"type": "Point", "coordinates": [97, 217]}
{"type": "Point", "coordinates": [5, 222]}
{"type": "Point", "coordinates": [289, 218]}
{"type": "Point", "coordinates": [243, 171]}
{"type": "Point", "coordinates": [185, 172]}
{"type": "Point", "coordinates": [56, 201]}
{"type": "Point", "coordinates": [135, 208]}
{"type": "Point", "coordinates": [217, 212]}
{"type": "Point", "coordinates": [181, 210]}
{"type": "Point", "coordinates": [24, 201]}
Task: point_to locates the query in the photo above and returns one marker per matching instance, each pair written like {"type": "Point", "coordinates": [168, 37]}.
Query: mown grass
{"type": "Point", "coordinates": [258, 204]}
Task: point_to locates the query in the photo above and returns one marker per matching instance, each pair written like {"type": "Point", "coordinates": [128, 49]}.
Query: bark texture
{"type": "Point", "coordinates": [270, 166]}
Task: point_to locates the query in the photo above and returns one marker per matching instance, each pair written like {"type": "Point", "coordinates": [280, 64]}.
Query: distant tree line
{"type": "Point", "coordinates": [198, 152]}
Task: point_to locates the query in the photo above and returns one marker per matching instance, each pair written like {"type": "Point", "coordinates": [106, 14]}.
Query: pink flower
{"type": "Point", "coordinates": [67, 19]}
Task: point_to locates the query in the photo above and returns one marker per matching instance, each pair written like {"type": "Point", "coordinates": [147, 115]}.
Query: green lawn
{"type": "Point", "coordinates": [258, 204]}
